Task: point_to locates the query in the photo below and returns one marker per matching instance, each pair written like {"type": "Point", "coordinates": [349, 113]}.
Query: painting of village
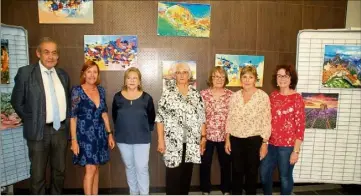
{"type": "Point", "coordinates": [5, 75]}
{"type": "Point", "coordinates": [111, 52]}
{"type": "Point", "coordinates": [321, 110]}
{"type": "Point", "coordinates": [65, 11]}
{"type": "Point", "coordinates": [233, 64]}
{"type": "Point", "coordinates": [184, 19]}
{"type": "Point", "coordinates": [342, 66]}
{"type": "Point", "coordinates": [169, 68]}
{"type": "Point", "coordinates": [9, 119]}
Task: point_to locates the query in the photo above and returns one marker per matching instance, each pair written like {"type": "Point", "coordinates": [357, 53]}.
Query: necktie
{"type": "Point", "coordinates": [54, 101]}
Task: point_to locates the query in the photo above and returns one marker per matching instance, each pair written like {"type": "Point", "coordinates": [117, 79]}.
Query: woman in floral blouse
{"type": "Point", "coordinates": [288, 125]}
{"type": "Point", "coordinates": [216, 99]}
{"type": "Point", "coordinates": [181, 130]}
{"type": "Point", "coordinates": [248, 128]}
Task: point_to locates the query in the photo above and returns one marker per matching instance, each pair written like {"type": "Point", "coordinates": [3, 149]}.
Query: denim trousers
{"type": "Point", "coordinates": [277, 155]}
{"type": "Point", "coordinates": [136, 158]}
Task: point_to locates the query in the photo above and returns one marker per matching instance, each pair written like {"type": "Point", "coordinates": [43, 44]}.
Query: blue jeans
{"type": "Point", "coordinates": [280, 156]}
{"type": "Point", "coordinates": [136, 158]}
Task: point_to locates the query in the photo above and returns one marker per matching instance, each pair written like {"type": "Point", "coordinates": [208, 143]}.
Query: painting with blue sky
{"type": "Point", "coordinates": [342, 66]}
{"type": "Point", "coordinates": [184, 19]}
{"type": "Point", "coordinates": [233, 64]}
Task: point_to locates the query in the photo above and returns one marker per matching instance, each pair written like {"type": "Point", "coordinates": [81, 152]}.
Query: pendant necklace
{"type": "Point", "coordinates": [131, 102]}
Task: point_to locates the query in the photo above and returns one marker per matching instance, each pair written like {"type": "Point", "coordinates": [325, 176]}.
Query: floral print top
{"type": "Point", "coordinates": [216, 114]}
{"type": "Point", "coordinates": [181, 114]}
{"type": "Point", "coordinates": [250, 119]}
{"type": "Point", "coordinates": [288, 119]}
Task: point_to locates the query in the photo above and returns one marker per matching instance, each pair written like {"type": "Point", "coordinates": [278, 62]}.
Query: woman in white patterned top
{"type": "Point", "coordinates": [181, 130]}
{"type": "Point", "coordinates": [248, 128]}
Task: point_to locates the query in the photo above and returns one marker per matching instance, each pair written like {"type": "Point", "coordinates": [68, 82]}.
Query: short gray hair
{"type": "Point", "coordinates": [46, 40]}
{"type": "Point", "coordinates": [185, 65]}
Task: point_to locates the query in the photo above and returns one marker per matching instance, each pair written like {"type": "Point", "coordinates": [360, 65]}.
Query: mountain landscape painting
{"type": "Point", "coordinates": [321, 110]}
{"type": "Point", "coordinates": [184, 19]}
{"type": "Point", "coordinates": [342, 66]}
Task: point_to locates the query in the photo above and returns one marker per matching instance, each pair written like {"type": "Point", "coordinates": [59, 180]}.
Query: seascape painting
{"type": "Point", "coordinates": [169, 68]}
{"type": "Point", "coordinates": [5, 74]}
{"type": "Point", "coordinates": [112, 52]}
{"type": "Point", "coordinates": [9, 119]}
{"type": "Point", "coordinates": [233, 64]}
{"type": "Point", "coordinates": [321, 110]}
{"type": "Point", "coordinates": [342, 66]}
{"type": "Point", "coordinates": [184, 19]}
{"type": "Point", "coordinates": [65, 11]}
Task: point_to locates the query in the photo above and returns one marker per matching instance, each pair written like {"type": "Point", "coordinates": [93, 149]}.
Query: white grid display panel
{"type": "Point", "coordinates": [14, 159]}
{"type": "Point", "coordinates": [329, 155]}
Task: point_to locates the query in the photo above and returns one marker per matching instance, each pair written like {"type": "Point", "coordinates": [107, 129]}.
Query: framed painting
{"type": "Point", "coordinates": [65, 11]}
{"type": "Point", "coordinates": [184, 19]}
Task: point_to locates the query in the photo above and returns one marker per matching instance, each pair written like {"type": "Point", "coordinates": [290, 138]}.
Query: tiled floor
{"type": "Point", "coordinates": [319, 189]}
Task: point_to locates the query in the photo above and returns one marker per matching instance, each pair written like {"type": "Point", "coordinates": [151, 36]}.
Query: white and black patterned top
{"type": "Point", "coordinates": [181, 114]}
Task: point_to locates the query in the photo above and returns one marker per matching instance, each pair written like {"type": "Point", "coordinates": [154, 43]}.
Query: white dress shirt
{"type": "Point", "coordinates": [59, 91]}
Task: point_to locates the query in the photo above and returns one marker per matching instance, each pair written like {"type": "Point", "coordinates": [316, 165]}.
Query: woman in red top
{"type": "Point", "coordinates": [288, 126]}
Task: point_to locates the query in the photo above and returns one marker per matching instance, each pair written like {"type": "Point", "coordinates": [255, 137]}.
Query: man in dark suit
{"type": "Point", "coordinates": [40, 98]}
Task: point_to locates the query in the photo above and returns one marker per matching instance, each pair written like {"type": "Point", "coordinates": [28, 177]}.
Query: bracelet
{"type": "Point", "coordinates": [295, 151]}
{"type": "Point", "coordinates": [73, 139]}
{"type": "Point", "coordinates": [109, 132]}
{"type": "Point", "coordinates": [265, 142]}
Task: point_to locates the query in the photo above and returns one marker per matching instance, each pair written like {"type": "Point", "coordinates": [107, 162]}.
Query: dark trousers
{"type": "Point", "coordinates": [245, 163]}
{"type": "Point", "coordinates": [52, 146]}
{"type": "Point", "coordinates": [224, 162]}
{"type": "Point", "coordinates": [178, 179]}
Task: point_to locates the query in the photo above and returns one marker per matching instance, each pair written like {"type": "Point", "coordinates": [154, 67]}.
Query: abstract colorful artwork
{"type": "Point", "coordinates": [321, 110]}
{"type": "Point", "coordinates": [233, 64]}
{"type": "Point", "coordinates": [112, 52]}
{"type": "Point", "coordinates": [65, 11]}
{"type": "Point", "coordinates": [169, 68]}
{"type": "Point", "coordinates": [9, 119]}
{"type": "Point", "coordinates": [184, 19]}
{"type": "Point", "coordinates": [342, 66]}
{"type": "Point", "coordinates": [5, 75]}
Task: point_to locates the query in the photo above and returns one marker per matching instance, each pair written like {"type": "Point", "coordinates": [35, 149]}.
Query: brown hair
{"type": "Point", "coordinates": [249, 69]}
{"type": "Point", "coordinates": [290, 71]}
{"type": "Point", "coordinates": [87, 65]}
{"type": "Point", "coordinates": [126, 74]}
{"type": "Point", "coordinates": [220, 70]}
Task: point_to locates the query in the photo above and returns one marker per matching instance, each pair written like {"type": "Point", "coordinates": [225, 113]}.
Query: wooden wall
{"type": "Point", "coordinates": [266, 28]}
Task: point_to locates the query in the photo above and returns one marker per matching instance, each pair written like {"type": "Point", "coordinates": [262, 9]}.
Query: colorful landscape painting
{"type": "Point", "coordinates": [321, 110]}
{"type": "Point", "coordinates": [9, 119]}
{"type": "Point", "coordinates": [112, 52]}
{"type": "Point", "coordinates": [342, 66]}
{"type": "Point", "coordinates": [65, 11]}
{"type": "Point", "coordinates": [5, 75]}
{"type": "Point", "coordinates": [184, 19]}
{"type": "Point", "coordinates": [233, 64]}
{"type": "Point", "coordinates": [169, 68]}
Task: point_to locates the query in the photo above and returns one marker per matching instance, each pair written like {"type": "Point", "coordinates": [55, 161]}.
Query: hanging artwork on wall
{"type": "Point", "coordinates": [184, 19]}
{"type": "Point", "coordinates": [169, 68]}
{"type": "Point", "coordinates": [65, 11]}
{"type": "Point", "coordinates": [112, 52]}
{"type": "Point", "coordinates": [342, 66]}
{"type": "Point", "coordinates": [9, 119]}
{"type": "Point", "coordinates": [233, 64]}
{"type": "Point", "coordinates": [5, 75]}
{"type": "Point", "coordinates": [321, 110]}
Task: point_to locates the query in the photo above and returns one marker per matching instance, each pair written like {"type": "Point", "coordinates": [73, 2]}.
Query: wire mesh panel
{"type": "Point", "coordinates": [14, 159]}
{"type": "Point", "coordinates": [330, 154]}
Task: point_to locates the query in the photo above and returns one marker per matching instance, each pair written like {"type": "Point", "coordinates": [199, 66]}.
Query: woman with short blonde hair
{"type": "Point", "coordinates": [216, 99]}
{"type": "Point", "coordinates": [133, 116]}
{"type": "Point", "coordinates": [248, 128]}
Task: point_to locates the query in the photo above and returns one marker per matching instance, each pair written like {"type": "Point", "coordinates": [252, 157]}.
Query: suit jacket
{"type": "Point", "coordinates": [28, 100]}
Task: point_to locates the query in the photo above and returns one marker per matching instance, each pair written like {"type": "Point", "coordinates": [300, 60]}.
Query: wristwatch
{"type": "Point", "coordinates": [265, 142]}
{"type": "Point", "coordinates": [109, 132]}
{"type": "Point", "coordinates": [296, 151]}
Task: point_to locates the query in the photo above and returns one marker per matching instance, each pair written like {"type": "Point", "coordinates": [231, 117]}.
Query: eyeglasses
{"type": "Point", "coordinates": [219, 77]}
{"type": "Point", "coordinates": [181, 72]}
{"type": "Point", "coordinates": [279, 76]}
